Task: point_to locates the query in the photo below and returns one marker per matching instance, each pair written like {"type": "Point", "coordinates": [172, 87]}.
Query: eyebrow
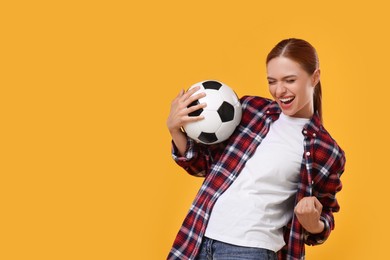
{"type": "Point", "coordinates": [285, 77]}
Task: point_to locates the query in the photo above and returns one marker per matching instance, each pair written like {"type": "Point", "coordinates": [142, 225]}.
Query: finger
{"type": "Point", "coordinates": [310, 202]}
{"type": "Point", "coordinates": [177, 98]}
{"type": "Point", "coordinates": [194, 98]}
{"type": "Point", "coordinates": [180, 93]}
{"type": "Point", "coordinates": [195, 108]}
{"type": "Point", "coordinates": [190, 92]}
{"type": "Point", "coordinates": [304, 201]}
{"type": "Point", "coordinates": [305, 205]}
{"type": "Point", "coordinates": [299, 207]}
{"type": "Point", "coordinates": [190, 119]}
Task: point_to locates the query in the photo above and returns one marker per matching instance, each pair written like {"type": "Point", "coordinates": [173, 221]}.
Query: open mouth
{"type": "Point", "coordinates": [286, 100]}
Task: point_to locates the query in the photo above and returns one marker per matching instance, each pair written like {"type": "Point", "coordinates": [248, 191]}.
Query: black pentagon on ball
{"type": "Point", "coordinates": [207, 137]}
{"type": "Point", "coordinates": [212, 85]}
{"type": "Point", "coordinates": [226, 112]}
{"type": "Point", "coordinates": [196, 112]}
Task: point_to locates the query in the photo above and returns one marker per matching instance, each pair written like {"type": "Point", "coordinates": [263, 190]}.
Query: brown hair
{"type": "Point", "coordinates": [305, 54]}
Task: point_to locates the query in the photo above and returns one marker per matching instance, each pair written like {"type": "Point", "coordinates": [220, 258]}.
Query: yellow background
{"type": "Point", "coordinates": [86, 87]}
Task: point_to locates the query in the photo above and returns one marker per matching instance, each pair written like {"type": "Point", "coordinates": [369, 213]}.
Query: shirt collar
{"type": "Point", "coordinates": [312, 127]}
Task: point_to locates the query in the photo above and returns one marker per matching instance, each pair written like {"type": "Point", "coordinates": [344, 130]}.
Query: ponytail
{"type": "Point", "coordinates": [317, 98]}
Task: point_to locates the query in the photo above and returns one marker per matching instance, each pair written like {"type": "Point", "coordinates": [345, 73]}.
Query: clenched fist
{"type": "Point", "coordinates": [308, 211]}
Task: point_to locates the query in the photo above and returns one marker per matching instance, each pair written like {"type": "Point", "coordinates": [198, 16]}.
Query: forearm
{"type": "Point", "coordinates": [180, 140]}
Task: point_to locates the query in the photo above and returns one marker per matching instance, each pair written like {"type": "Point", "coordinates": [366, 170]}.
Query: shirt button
{"type": "Point", "coordinates": [314, 135]}
{"type": "Point", "coordinates": [304, 131]}
{"type": "Point", "coordinates": [267, 112]}
{"type": "Point", "coordinates": [307, 153]}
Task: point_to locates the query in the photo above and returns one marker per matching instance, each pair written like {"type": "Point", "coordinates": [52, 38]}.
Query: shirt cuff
{"type": "Point", "coordinates": [188, 154]}
{"type": "Point", "coordinates": [320, 238]}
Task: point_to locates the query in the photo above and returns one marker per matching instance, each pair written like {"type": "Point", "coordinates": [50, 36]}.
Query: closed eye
{"type": "Point", "coordinates": [271, 82]}
{"type": "Point", "coordinates": [290, 81]}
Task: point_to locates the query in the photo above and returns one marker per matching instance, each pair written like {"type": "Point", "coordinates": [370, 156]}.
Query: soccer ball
{"type": "Point", "coordinates": [221, 115]}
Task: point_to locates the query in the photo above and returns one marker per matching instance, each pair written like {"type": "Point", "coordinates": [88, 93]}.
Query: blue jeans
{"type": "Point", "coordinates": [216, 250]}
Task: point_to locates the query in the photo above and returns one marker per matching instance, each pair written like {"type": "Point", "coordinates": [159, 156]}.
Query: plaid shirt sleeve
{"type": "Point", "coordinates": [327, 183]}
{"type": "Point", "coordinates": [197, 158]}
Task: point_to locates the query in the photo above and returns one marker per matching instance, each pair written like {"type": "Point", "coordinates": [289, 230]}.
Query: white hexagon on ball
{"type": "Point", "coordinates": [221, 115]}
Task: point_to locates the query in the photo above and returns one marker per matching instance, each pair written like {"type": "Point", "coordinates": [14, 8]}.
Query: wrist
{"type": "Point", "coordinates": [175, 130]}
{"type": "Point", "coordinates": [319, 228]}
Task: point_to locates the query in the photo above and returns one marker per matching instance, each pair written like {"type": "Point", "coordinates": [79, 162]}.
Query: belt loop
{"type": "Point", "coordinates": [209, 248]}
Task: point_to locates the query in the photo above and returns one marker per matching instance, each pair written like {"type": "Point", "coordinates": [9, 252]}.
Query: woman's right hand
{"type": "Point", "coordinates": [179, 116]}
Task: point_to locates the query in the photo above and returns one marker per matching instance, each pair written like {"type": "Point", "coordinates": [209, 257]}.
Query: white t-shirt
{"type": "Point", "coordinates": [254, 209]}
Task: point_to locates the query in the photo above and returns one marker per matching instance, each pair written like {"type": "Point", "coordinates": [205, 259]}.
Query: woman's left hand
{"type": "Point", "coordinates": [308, 211]}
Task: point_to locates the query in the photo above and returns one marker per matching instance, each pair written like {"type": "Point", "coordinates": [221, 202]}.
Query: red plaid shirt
{"type": "Point", "coordinates": [322, 165]}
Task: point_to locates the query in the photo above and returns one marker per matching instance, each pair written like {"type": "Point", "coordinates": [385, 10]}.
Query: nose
{"type": "Point", "coordinates": [280, 90]}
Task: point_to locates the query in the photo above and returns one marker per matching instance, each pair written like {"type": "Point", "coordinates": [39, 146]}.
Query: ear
{"type": "Point", "coordinates": [316, 77]}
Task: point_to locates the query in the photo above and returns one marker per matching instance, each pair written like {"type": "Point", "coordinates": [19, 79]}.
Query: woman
{"type": "Point", "coordinates": [270, 188]}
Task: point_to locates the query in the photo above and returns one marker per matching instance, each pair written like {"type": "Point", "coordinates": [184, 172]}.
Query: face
{"type": "Point", "coordinates": [292, 87]}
